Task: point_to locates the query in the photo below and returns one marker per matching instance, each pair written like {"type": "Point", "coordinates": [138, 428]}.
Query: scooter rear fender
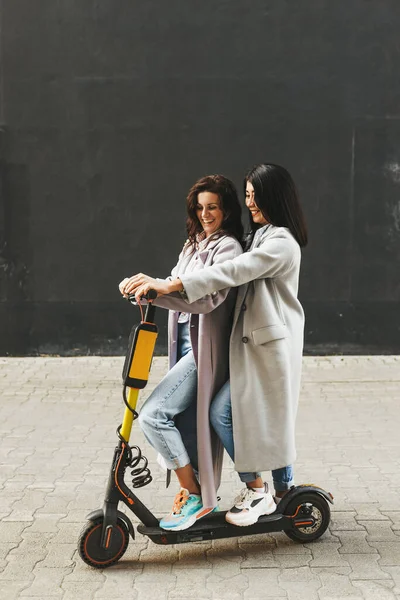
{"type": "Point", "coordinates": [299, 490]}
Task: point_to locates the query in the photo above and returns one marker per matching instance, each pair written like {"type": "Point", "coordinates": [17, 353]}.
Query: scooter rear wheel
{"type": "Point", "coordinates": [320, 512]}
{"type": "Point", "coordinates": [90, 549]}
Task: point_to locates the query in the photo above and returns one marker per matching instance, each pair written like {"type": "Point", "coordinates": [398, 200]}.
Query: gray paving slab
{"type": "Point", "coordinates": [57, 433]}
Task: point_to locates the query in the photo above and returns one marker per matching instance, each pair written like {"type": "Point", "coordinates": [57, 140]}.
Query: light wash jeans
{"type": "Point", "coordinates": [176, 392]}
{"type": "Point", "coordinates": [176, 397]}
{"type": "Point", "coordinates": [221, 420]}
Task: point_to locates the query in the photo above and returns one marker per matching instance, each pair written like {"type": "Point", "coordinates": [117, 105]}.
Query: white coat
{"type": "Point", "coordinates": [265, 347]}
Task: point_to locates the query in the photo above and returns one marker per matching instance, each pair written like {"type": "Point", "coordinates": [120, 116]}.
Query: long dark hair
{"type": "Point", "coordinates": [230, 205]}
{"type": "Point", "coordinates": [276, 196]}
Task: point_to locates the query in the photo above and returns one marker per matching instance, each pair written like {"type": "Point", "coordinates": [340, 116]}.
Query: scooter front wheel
{"type": "Point", "coordinates": [311, 516]}
{"type": "Point", "coordinates": [90, 549]}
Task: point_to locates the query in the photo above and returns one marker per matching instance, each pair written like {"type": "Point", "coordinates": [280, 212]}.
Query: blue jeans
{"type": "Point", "coordinates": [221, 420]}
{"type": "Point", "coordinates": [176, 393]}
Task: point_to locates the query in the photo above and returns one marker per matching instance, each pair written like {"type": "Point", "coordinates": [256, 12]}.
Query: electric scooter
{"type": "Point", "coordinates": [303, 513]}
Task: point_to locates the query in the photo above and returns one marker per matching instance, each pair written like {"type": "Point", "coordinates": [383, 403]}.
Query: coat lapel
{"type": "Point", "coordinates": [204, 254]}
{"type": "Point", "coordinates": [184, 261]}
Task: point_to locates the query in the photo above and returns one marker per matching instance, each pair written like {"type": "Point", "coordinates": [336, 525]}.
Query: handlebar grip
{"type": "Point", "coordinates": [150, 296]}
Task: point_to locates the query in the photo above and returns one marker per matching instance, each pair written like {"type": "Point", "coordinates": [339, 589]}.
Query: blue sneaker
{"type": "Point", "coordinates": [185, 512]}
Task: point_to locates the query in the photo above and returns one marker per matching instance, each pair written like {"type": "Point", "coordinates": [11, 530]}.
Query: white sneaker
{"type": "Point", "coordinates": [249, 506]}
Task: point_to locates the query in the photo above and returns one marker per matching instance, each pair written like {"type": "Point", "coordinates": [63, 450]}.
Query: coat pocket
{"type": "Point", "coordinates": [268, 334]}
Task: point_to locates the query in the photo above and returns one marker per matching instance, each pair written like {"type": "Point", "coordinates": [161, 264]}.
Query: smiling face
{"type": "Point", "coordinates": [208, 212]}
{"type": "Point", "coordinates": [256, 213]}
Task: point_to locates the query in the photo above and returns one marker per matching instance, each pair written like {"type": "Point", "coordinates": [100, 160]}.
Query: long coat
{"type": "Point", "coordinates": [210, 328]}
{"type": "Point", "coordinates": [265, 347]}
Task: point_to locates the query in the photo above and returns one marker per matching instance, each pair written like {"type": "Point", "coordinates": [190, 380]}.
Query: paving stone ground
{"type": "Point", "coordinates": [57, 433]}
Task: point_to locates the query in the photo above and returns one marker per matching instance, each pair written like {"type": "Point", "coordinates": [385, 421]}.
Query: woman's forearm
{"type": "Point", "coordinates": [272, 259]}
{"type": "Point", "coordinates": [175, 285]}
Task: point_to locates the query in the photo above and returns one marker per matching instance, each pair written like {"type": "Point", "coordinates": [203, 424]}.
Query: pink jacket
{"type": "Point", "coordinates": [210, 328]}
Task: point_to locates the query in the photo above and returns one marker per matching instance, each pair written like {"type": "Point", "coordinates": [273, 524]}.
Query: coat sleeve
{"type": "Point", "coordinates": [273, 258]}
{"type": "Point", "coordinates": [209, 301]}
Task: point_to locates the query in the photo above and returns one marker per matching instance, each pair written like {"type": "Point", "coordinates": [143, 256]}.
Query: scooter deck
{"type": "Point", "coordinates": [214, 526]}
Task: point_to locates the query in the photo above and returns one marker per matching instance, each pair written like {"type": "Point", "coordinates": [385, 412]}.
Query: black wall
{"type": "Point", "coordinates": [111, 110]}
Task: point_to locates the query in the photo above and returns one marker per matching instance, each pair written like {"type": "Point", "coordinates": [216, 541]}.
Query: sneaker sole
{"type": "Point", "coordinates": [191, 521]}
{"type": "Point", "coordinates": [250, 520]}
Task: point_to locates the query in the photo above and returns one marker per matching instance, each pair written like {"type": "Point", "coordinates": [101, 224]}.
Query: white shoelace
{"type": "Point", "coordinates": [245, 495]}
{"type": "Point", "coordinates": [241, 496]}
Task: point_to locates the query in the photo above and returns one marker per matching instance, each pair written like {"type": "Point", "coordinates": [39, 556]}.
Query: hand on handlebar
{"type": "Point", "coordinates": [121, 287]}
{"type": "Point", "coordinates": [145, 299]}
{"type": "Point", "coordinates": [139, 285]}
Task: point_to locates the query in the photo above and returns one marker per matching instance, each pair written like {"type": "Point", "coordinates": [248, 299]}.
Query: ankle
{"type": "Point", "coordinates": [192, 488]}
{"type": "Point", "coordinates": [187, 479]}
{"type": "Point", "coordinates": [260, 489]}
{"type": "Point", "coordinates": [256, 483]}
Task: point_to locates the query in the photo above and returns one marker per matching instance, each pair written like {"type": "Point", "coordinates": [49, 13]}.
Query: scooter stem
{"type": "Point", "coordinates": [128, 419]}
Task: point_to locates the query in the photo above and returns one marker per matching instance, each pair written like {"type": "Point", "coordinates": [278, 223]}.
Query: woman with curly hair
{"type": "Point", "coordinates": [198, 343]}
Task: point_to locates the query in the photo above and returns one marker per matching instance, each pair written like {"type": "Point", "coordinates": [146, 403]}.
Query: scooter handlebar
{"type": "Point", "coordinates": [149, 296]}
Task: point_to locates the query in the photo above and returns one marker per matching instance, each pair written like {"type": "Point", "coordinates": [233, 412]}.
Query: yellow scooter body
{"type": "Point", "coordinates": [135, 374]}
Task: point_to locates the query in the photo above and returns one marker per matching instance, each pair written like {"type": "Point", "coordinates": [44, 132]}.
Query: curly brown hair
{"type": "Point", "coordinates": [230, 205]}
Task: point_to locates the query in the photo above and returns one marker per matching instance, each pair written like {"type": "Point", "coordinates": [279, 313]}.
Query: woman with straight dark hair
{"type": "Point", "coordinates": [254, 415]}
{"type": "Point", "coordinates": [198, 348]}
